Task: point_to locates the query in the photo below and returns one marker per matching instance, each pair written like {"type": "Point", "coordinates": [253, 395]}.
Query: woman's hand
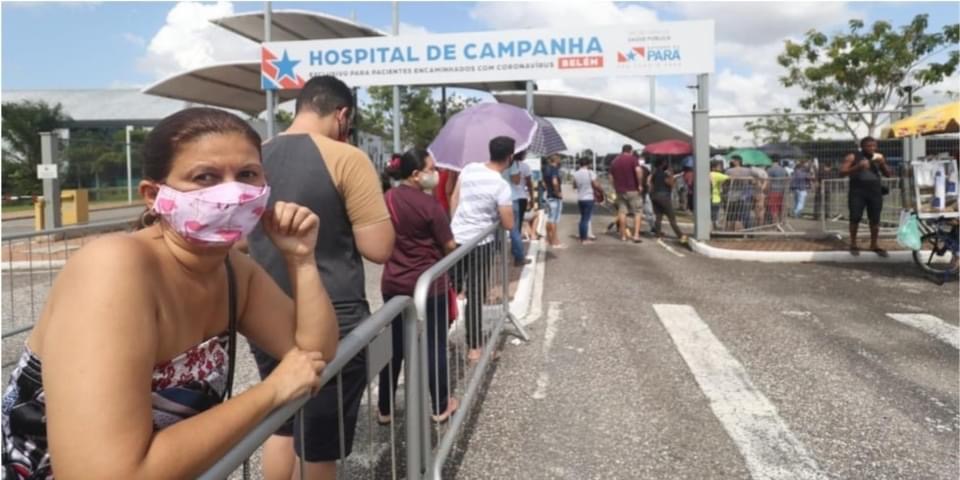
{"type": "Point", "coordinates": [293, 229]}
{"type": "Point", "coordinates": [296, 375]}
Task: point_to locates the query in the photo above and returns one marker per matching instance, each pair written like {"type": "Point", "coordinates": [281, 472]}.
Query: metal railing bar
{"type": "Point", "coordinates": [349, 347]}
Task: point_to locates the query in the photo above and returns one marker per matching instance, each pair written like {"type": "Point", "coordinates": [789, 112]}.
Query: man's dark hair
{"type": "Point", "coordinates": [716, 164]}
{"type": "Point", "coordinates": [864, 141]}
{"type": "Point", "coordinates": [627, 148]}
{"type": "Point", "coordinates": [501, 148]}
{"type": "Point", "coordinates": [585, 161]}
{"type": "Point", "coordinates": [323, 95]}
{"type": "Point", "coordinates": [738, 159]}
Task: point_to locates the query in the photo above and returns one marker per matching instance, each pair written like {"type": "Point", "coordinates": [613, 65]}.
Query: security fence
{"type": "Point", "coordinates": [30, 261]}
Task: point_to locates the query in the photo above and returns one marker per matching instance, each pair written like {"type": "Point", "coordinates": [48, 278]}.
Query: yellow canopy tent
{"type": "Point", "coordinates": [941, 119]}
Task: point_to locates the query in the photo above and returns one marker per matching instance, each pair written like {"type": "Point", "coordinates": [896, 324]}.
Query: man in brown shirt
{"type": "Point", "coordinates": [311, 164]}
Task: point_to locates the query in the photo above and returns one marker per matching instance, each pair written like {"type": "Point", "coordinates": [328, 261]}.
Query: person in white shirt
{"type": "Point", "coordinates": [585, 181]}
{"type": "Point", "coordinates": [520, 188]}
{"type": "Point", "coordinates": [480, 199]}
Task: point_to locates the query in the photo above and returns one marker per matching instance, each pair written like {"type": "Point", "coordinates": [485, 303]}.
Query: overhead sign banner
{"type": "Point", "coordinates": [669, 48]}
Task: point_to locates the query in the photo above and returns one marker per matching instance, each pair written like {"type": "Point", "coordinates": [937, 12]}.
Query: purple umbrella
{"type": "Point", "coordinates": [466, 137]}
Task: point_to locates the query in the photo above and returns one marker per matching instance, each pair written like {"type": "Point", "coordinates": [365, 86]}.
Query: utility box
{"type": "Point", "coordinates": [38, 213]}
{"type": "Point", "coordinates": [75, 206]}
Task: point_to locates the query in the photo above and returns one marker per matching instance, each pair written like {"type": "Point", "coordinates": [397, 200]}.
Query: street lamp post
{"type": "Point", "coordinates": [129, 167]}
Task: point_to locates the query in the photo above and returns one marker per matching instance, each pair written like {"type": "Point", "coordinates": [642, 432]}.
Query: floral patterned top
{"type": "Point", "coordinates": [182, 387]}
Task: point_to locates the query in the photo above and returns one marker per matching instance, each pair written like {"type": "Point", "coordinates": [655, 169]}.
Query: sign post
{"type": "Point", "coordinates": [47, 171]}
{"type": "Point", "coordinates": [701, 152]}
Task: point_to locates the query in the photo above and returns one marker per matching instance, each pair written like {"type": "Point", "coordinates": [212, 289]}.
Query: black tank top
{"type": "Point", "coordinates": [296, 172]}
{"type": "Point", "coordinates": [868, 179]}
{"type": "Point", "coordinates": [660, 182]}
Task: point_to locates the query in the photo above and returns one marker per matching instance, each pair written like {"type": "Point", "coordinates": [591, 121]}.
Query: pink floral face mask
{"type": "Point", "coordinates": [222, 214]}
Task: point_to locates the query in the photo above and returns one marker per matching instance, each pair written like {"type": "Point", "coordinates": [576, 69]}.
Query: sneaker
{"type": "Point", "coordinates": [520, 263]}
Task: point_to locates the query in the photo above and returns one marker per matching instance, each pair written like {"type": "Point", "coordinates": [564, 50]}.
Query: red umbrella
{"type": "Point", "coordinates": [669, 147]}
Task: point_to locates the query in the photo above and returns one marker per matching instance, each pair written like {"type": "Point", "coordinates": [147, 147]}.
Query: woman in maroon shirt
{"type": "Point", "coordinates": [423, 238]}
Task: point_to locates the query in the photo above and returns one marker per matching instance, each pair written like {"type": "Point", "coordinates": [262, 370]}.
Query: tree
{"type": "Point", "coordinates": [420, 119]}
{"type": "Point", "coordinates": [21, 127]}
{"type": "Point", "coordinates": [866, 70]}
{"type": "Point", "coordinates": [95, 155]}
{"type": "Point", "coordinates": [782, 129]}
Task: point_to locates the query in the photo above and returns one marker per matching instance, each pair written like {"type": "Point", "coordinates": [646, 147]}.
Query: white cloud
{"type": "Point", "coordinates": [408, 29]}
{"type": "Point", "coordinates": [134, 39]}
{"type": "Point", "coordinates": [559, 14]}
{"type": "Point", "coordinates": [188, 40]}
{"type": "Point", "coordinates": [760, 23]}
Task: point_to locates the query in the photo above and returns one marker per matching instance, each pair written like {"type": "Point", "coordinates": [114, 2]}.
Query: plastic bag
{"type": "Point", "coordinates": [908, 235]}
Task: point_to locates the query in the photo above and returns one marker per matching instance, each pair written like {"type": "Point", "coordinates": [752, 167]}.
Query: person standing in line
{"type": "Point", "coordinates": [444, 189]}
{"type": "Point", "coordinates": [800, 185]}
{"type": "Point", "coordinates": [865, 168]}
{"type": "Point", "coordinates": [554, 194]}
{"type": "Point", "coordinates": [627, 178]}
{"type": "Point", "coordinates": [520, 190]}
{"type": "Point", "coordinates": [717, 180]}
{"type": "Point", "coordinates": [585, 181]}
{"type": "Point", "coordinates": [688, 178]}
{"type": "Point", "coordinates": [740, 194]}
{"type": "Point", "coordinates": [480, 199]}
{"type": "Point", "coordinates": [661, 185]}
{"type": "Point", "coordinates": [778, 183]}
{"type": "Point", "coordinates": [760, 195]}
{"type": "Point", "coordinates": [312, 165]}
{"type": "Point", "coordinates": [423, 238]}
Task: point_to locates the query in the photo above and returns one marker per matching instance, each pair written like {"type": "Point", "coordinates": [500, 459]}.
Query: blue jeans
{"type": "Point", "coordinates": [516, 240]}
{"type": "Point", "coordinates": [586, 211]}
{"type": "Point", "coordinates": [801, 199]}
{"type": "Point", "coordinates": [554, 209]}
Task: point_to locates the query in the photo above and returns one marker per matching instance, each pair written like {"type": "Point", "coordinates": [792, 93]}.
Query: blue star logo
{"type": "Point", "coordinates": [632, 56]}
{"type": "Point", "coordinates": [285, 67]}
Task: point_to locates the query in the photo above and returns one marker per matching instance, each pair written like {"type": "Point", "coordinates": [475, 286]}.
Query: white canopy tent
{"type": "Point", "coordinates": [631, 122]}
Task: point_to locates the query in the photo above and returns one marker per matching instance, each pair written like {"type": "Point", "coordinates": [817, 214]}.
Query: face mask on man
{"type": "Point", "coordinates": [218, 215]}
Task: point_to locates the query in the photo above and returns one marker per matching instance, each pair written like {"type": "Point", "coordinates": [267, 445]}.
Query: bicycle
{"type": "Point", "coordinates": [940, 236]}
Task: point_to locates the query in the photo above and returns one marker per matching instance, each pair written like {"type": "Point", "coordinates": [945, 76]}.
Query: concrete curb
{"type": "Point", "coordinates": [798, 257]}
{"type": "Point", "coordinates": [521, 298]}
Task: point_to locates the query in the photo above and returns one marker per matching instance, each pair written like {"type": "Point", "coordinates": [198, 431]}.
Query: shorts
{"type": "Point", "coordinates": [629, 203]}
{"type": "Point", "coordinates": [859, 200]}
{"type": "Point", "coordinates": [321, 421]}
{"type": "Point", "coordinates": [554, 209]}
{"type": "Point", "coordinates": [775, 202]}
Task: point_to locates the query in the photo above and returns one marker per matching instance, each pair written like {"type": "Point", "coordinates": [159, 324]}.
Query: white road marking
{"type": "Point", "coordinates": [543, 381]}
{"type": "Point", "coordinates": [931, 325]}
{"type": "Point", "coordinates": [670, 249]}
{"type": "Point", "coordinates": [769, 448]}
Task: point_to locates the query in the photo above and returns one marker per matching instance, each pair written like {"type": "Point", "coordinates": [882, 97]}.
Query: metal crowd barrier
{"type": "Point", "coordinates": [31, 260]}
{"type": "Point", "coordinates": [836, 214]}
{"type": "Point", "coordinates": [372, 338]}
{"type": "Point", "coordinates": [768, 208]}
{"type": "Point", "coordinates": [479, 272]}
{"type": "Point", "coordinates": [478, 275]}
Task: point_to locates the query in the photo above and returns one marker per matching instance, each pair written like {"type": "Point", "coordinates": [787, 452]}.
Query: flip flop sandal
{"type": "Point", "coordinates": [881, 252]}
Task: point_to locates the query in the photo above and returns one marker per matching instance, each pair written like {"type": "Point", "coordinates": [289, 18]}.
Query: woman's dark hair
{"type": "Point", "coordinates": [662, 163]}
{"type": "Point", "coordinates": [401, 167]}
{"type": "Point", "coordinates": [172, 133]}
{"type": "Point", "coordinates": [183, 127]}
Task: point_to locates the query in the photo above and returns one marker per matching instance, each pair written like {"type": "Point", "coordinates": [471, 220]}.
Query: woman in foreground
{"type": "Point", "coordinates": [137, 338]}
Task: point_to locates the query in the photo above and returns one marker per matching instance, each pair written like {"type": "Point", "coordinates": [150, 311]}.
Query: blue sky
{"type": "Point", "coordinates": [133, 44]}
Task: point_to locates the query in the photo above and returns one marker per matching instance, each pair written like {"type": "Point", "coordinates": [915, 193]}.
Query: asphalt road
{"type": "Point", "coordinates": [24, 225]}
{"type": "Point", "coordinates": [648, 365]}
